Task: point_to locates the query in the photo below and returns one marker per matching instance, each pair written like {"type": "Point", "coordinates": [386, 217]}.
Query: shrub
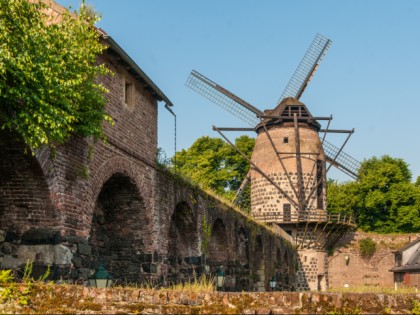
{"type": "Point", "coordinates": [367, 247]}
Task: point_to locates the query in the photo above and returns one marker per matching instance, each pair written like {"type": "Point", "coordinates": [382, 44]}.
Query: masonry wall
{"type": "Point", "coordinates": [92, 202]}
{"type": "Point", "coordinates": [365, 272]}
{"type": "Point", "coordinates": [81, 300]}
{"type": "Point", "coordinates": [104, 202]}
{"type": "Point", "coordinates": [247, 252]}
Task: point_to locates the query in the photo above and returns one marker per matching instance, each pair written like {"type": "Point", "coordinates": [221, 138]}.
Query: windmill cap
{"type": "Point", "coordinates": [284, 112]}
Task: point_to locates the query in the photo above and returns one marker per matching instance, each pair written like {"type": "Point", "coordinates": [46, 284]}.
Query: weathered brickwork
{"type": "Point", "coordinates": [92, 201]}
{"type": "Point", "coordinates": [25, 201]}
{"type": "Point", "coordinates": [359, 272]}
{"type": "Point", "coordinates": [247, 252]}
{"type": "Point", "coordinates": [81, 300]}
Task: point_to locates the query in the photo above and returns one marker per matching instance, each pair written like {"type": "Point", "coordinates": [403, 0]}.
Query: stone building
{"type": "Point", "coordinates": [407, 265]}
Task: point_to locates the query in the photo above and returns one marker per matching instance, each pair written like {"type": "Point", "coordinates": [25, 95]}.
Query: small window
{"type": "Point", "coordinates": [286, 140]}
{"type": "Point", "coordinates": [287, 215]}
{"type": "Point", "coordinates": [398, 260]}
{"type": "Point", "coordinates": [128, 93]}
{"type": "Point", "coordinates": [398, 277]}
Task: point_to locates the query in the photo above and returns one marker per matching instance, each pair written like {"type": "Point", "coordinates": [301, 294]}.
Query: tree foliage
{"type": "Point", "coordinates": [215, 164]}
{"type": "Point", "coordinates": [383, 199]}
{"type": "Point", "coordinates": [48, 72]}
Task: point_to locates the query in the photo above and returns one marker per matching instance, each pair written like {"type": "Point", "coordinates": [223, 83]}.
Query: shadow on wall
{"type": "Point", "coordinates": [184, 259]}
{"type": "Point", "coordinates": [25, 201]}
{"type": "Point", "coordinates": [120, 231]}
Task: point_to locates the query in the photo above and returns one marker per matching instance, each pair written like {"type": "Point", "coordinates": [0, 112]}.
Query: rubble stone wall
{"type": "Point", "coordinates": [360, 272]}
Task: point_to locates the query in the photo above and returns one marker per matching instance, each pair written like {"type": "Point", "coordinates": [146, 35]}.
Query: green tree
{"type": "Point", "coordinates": [417, 182]}
{"type": "Point", "coordinates": [389, 201]}
{"type": "Point", "coordinates": [215, 164]}
{"type": "Point", "coordinates": [342, 197]}
{"type": "Point", "coordinates": [48, 72]}
{"type": "Point", "coordinates": [383, 199]}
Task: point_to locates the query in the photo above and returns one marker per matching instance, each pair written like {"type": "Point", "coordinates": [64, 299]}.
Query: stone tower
{"type": "Point", "coordinates": [290, 152]}
{"type": "Point", "coordinates": [288, 187]}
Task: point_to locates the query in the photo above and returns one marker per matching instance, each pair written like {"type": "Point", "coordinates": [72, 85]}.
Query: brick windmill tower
{"type": "Point", "coordinates": [289, 164]}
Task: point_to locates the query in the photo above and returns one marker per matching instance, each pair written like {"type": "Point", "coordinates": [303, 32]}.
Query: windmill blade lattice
{"type": "Point", "coordinates": [342, 161]}
{"type": "Point", "coordinates": [225, 99]}
{"type": "Point", "coordinates": [306, 68]}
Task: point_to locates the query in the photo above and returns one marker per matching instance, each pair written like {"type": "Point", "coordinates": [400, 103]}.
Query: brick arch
{"type": "Point", "coordinates": [278, 258]}
{"type": "Point", "coordinates": [258, 263]}
{"type": "Point", "coordinates": [218, 245]}
{"type": "Point", "coordinates": [103, 173]}
{"type": "Point", "coordinates": [183, 234]}
{"type": "Point", "coordinates": [120, 230]}
{"type": "Point", "coordinates": [258, 252]}
{"type": "Point", "coordinates": [242, 246]}
{"type": "Point", "coordinates": [25, 196]}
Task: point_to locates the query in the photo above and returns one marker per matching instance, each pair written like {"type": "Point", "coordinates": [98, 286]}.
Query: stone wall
{"type": "Point", "coordinates": [82, 300]}
{"type": "Point", "coordinates": [248, 253]}
{"type": "Point", "coordinates": [365, 272]}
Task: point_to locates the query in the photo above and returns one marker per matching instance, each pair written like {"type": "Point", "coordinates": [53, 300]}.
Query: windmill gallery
{"type": "Point", "coordinates": [106, 203]}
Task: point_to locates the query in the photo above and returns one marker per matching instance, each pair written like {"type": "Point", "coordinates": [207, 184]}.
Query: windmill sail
{"type": "Point", "coordinates": [296, 86]}
{"type": "Point", "coordinates": [222, 97]}
{"type": "Point", "coordinates": [341, 160]}
{"type": "Point", "coordinates": [306, 68]}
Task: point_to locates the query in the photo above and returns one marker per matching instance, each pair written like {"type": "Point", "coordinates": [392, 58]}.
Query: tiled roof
{"type": "Point", "coordinates": [413, 263]}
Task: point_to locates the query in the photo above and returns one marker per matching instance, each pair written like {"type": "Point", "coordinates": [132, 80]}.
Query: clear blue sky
{"type": "Point", "coordinates": [369, 79]}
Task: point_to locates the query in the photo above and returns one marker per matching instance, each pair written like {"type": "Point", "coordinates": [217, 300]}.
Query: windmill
{"type": "Point", "coordinates": [289, 162]}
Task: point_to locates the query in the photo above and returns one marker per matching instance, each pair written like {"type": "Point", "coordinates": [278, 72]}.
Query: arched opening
{"type": "Point", "coordinates": [259, 265]}
{"type": "Point", "coordinates": [183, 252]}
{"type": "Point", "coordinates": [119, 234]}
{"type": "Point", "coordinates": [25, 202]}
{"type": "Point", "coordinates": [242, 248]}
{"type": "Point", "coordinates": [242, 278]}
{"type": "Point", "coordinates": [218, 245]}
{"type": "Point", "coordinates": [278, 260]}
{"type": "Point", "coordinates": [183, 239]}
{"type": "Point", "coordinates": [285, 270]}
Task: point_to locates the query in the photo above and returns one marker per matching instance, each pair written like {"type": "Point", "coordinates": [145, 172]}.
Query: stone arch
{"type": "Point", "coordinates": [25, 196]}
{"type": "Point", "coordinates": [103, 173]}
{"type": "Point", "coordinates": [285, 271]}
{"type": "Point", "coordinates": [278, 258]}
{"type": "Point", "coordinates": [242, 247]}
{"type": "Point", "coordinates": [218, 245]}
{"type": "Point", "coordinates": [183, 236]}
{"type": "Point", "coordinates": [183, 244]}
{"type": "Point", "coordinates": [120, 232]}
{"type": "Point", "coordinates": [258, 262]}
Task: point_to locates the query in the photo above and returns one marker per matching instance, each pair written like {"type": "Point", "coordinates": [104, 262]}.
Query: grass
{"type": "Point", "coordinates": [203, 284]}
{"type": "Point", "coordinates": [374, 289]}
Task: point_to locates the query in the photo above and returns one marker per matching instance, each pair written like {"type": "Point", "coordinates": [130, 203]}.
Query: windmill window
{"type": "Point", "coordinates": [287, 215]}
{"type": "Point", "coordinates": [286, 140]}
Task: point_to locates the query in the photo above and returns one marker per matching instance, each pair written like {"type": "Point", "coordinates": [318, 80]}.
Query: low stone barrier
{"type": "Point", "coordinates": [85, 300]}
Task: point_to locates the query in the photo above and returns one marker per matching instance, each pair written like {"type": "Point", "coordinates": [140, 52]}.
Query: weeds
{"type": "Point", "coordinates": [6, 276]}
{"type": "Point", "coordinates": [416, 308]}
{"type": "Point", "coordinates": [367, 247]}
{"type": "Point", "coordinates": [371, 289]}
{"type": "Point", "coordinates": [203, 284]}
{"type": "Point", "coordinates": [10, 290]}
